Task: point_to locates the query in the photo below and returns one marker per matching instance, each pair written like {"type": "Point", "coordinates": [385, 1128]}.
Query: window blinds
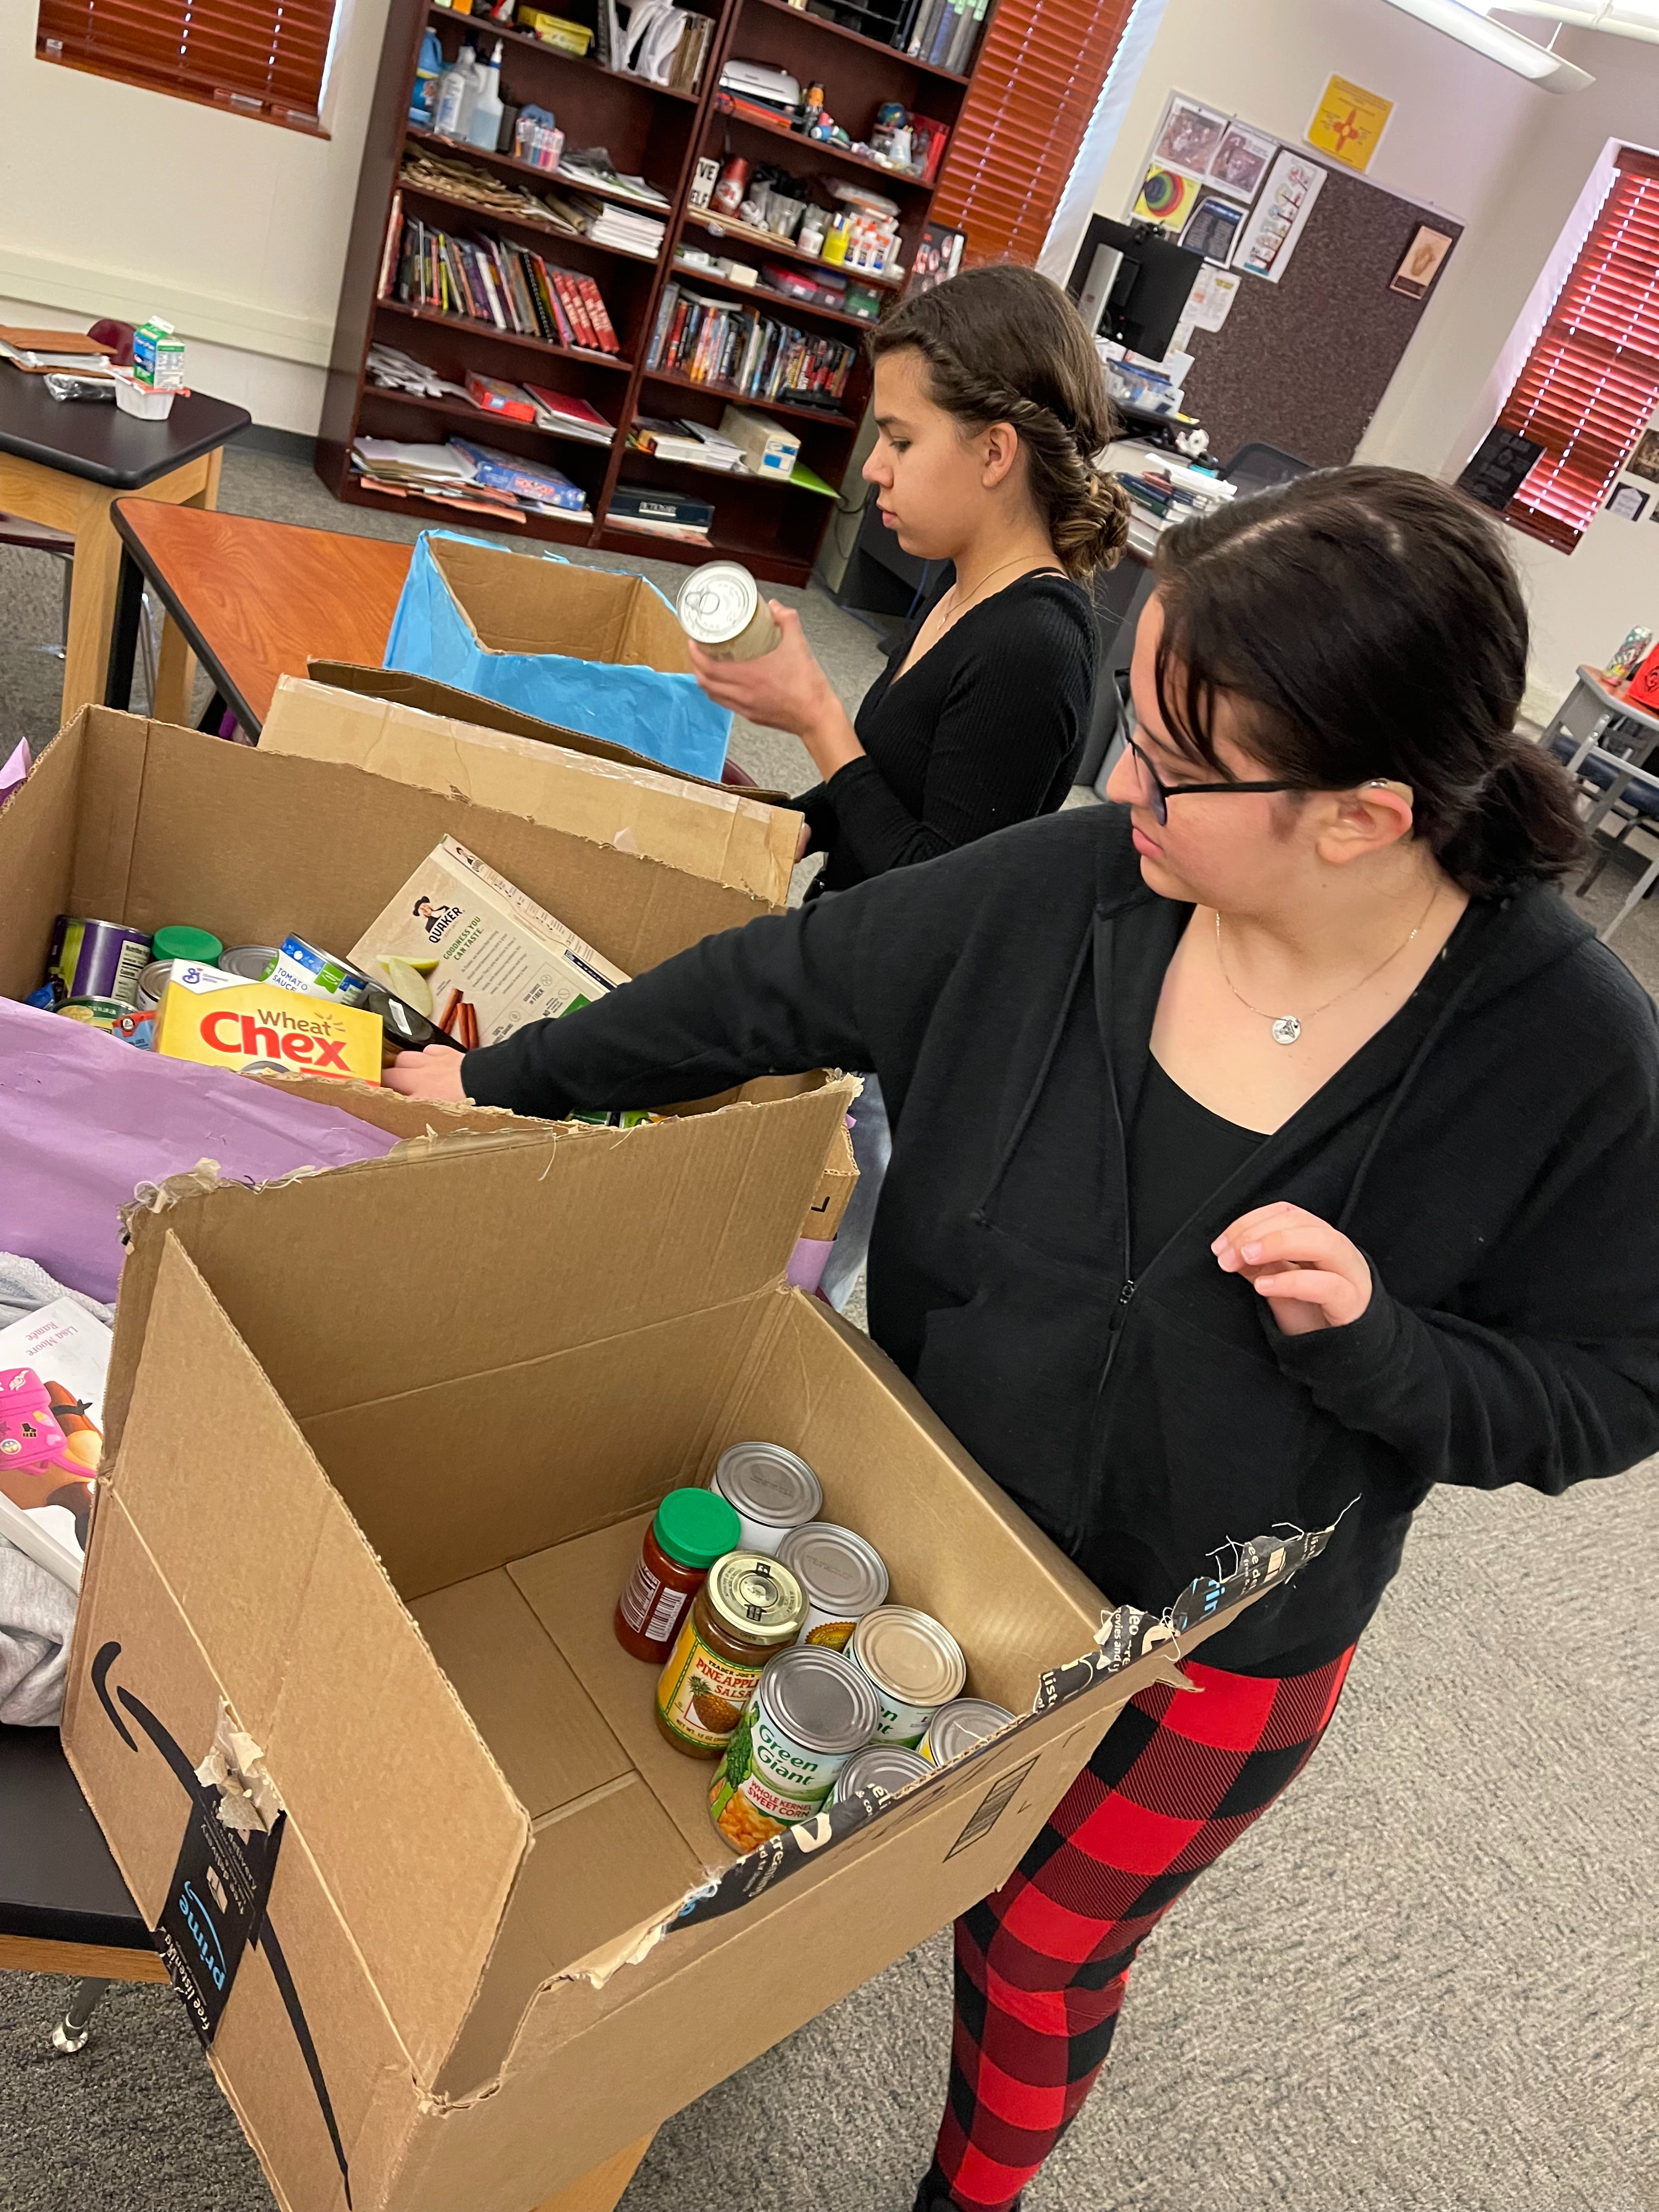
{"type": "Point", "coordinates": [264, 58]}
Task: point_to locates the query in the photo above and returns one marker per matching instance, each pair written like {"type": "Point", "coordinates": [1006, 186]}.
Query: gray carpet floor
{"type": "Point", "coordinates": [1425, 1982]}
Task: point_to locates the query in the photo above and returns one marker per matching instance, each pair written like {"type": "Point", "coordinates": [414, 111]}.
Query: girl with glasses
{"type": "Point", "coordinates": [1270, 1144]}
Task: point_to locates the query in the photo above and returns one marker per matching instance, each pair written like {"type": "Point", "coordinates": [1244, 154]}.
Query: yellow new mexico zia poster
{"type": "Point", "coordinates": [1348, 122]}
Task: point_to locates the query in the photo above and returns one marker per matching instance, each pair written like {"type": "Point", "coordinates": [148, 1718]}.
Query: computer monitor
{"type": "Point", "coordinates": [1131, 284]}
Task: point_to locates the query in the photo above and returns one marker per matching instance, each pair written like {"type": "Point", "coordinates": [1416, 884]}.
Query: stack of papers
{"type": "Point", "coordinates": [41, 350]}
{"type": "Point", "coordinates": [400, 371]}
{"type": "Point", "coordinates": [694, 443]}
{"type": "Point", "coordinates": [594, 166]}
{"type": "Point", "coordinates": [607, 225]}
{"type": "Point", "coordinates": [475, 479]}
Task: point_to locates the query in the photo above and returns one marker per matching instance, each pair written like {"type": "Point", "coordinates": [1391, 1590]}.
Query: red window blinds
{"type": "Point", "coordinates": [1041, 69]}
{"type": "Point", "coordinates": [1591, 386]}
{"type": "Point", "coordinates": [264, 58]}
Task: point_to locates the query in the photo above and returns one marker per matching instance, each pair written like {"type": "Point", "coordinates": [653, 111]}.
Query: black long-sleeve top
{"type": "Point", "coordinates": [1493, 1149]}
{"type": "Point", "coordinates": [985, 731]}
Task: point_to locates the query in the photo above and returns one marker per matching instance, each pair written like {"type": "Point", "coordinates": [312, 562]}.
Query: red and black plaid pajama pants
{"type": "Point", "coordinates": [1041, 1966]}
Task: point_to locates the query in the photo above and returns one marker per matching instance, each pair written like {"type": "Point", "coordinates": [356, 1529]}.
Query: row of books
{"type": "Point", "coordinates": [717, 342]}
{"type": "Point", "coordinates": [489, 281]}
{"type": "Point", "coordinates": [478, 479]}
{"type": "Point", "coordinates": [945, 33]}
{"type": "Point", "coordinates": [393, 370]}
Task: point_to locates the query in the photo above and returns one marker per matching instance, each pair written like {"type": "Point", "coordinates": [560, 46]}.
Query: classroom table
{"type": "Point", "coordinates": [1595, 710]}
{"type": "Point", "coordinates": [255, 600]}
{"type": "Point", "coordinates": [63, 1906]}
{"type": "Point", "coordinates": [63, 463]}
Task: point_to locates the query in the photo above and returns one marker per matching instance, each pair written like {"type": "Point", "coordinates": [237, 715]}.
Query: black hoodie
{"type": "Point", "coordinates": [1493, 1149]}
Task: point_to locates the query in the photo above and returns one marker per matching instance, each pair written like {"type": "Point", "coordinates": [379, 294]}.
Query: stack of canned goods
{"type": "Point", "coordinates": [782, 1659]}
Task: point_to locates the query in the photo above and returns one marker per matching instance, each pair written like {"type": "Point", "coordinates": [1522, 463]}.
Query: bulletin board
{"type": "Point", "coordinates": [1302, 364]}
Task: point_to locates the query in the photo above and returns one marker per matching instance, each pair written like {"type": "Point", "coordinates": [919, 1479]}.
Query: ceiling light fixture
{"type": "Point", "coordinates": [1472, 26]}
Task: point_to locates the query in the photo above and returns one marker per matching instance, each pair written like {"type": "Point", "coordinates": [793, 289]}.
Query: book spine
{"type": "Point", "coordinates": [593, 301]}
{"type": "Point", "coordinates": [532, 291]}
{"type": "Point", "coordinates": [665, 307]}
{"type": "Point", "coordinates": [394, 229]}
{"type": "Point", "coordinates": [944, 31]}
{"type": "Point", "coordinates": [575, 313]}
{"type": "Point", "coordinates": [926, 18]}
{"type": "Point", "coordinates": [556, 303]}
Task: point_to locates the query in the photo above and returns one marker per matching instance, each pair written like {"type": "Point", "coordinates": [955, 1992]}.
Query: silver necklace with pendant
{"type": "Point", "coordinates": [1285, 1029]}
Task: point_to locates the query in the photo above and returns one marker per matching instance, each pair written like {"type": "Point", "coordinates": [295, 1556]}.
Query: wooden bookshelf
{"type": "Point", "coordinates": [654, 132]}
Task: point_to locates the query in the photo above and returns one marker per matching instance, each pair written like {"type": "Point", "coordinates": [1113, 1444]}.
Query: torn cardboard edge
{"type": "Point", "coordinates": [1126, 1636]}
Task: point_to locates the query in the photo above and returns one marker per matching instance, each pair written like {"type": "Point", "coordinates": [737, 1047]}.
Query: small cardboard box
{"type": "Point", "coordinates": [590, 647]}
{"type": "Point", "coordinates": [769, 448]}
{"type": "Point", "coordinates": [470, 1929]}
{"type": "Point", "coordinates": [744, 841]}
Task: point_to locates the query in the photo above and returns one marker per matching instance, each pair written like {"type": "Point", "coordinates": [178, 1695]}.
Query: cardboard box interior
{"type": "Point", "coordinates": [401, 1580]}
{"type": "Point", "coordinates": [400, 687]}
{"type": "Point", "coordinates": [128, 820]}
{"type": "Point", "coordinates": [705, 829]}
{"type": "Point", "coordinates": [513, 605]}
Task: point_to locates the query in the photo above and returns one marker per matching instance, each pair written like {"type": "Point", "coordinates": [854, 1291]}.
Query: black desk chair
{"type": "Point", "coordinates": [1256, 467]}
{"type": "Point", "coordinates": [63, 1906]}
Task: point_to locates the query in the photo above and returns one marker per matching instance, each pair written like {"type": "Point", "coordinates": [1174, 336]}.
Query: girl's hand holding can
{"type": "Point", "coordinates": [1314, 1275]}
{"type": "Point", "coordinates": [786, 689]}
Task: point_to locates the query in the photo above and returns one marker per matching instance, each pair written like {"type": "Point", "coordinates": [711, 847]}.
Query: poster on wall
{"type": "Point", "coordinates": [1268, 239]}
{"type": "Point", "coordinates": [1421, 264]}
{"type": "Point", "coordinates": [1627, 501]}
{"type": "Point", "coordinates": [1167, 196]}
{"type": "Point", "coordinates": [1213, 226]}
{"type": "Point", "coordinates": [1644, 461]}
{"type": "Point", "coordinates": [1348, 122]}
{"type": "Point", "coordinates": [1240, 161]}
{"type": "Point", "coordinates": [1211, 300]}
{"type": "Point", "coordinates": [1189, 134]}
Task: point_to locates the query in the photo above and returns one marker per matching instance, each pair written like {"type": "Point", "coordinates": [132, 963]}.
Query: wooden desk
{"type": "Point", "coordinates": [255, 600]}
{"type": "Point", "coordinates": [63, 463]}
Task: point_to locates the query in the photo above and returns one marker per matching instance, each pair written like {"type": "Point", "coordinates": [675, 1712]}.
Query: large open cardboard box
{"type": "Point", "coordinates": [368, 1501]}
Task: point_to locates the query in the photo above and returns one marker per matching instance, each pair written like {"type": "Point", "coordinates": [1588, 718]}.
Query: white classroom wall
{"type": "Point", "coordinates": [121, 202]}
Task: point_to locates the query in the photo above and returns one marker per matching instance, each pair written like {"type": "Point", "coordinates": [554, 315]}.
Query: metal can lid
{"type": "Point", "coordinates": [910, 1655]}
{"type": "Point", "coordinates": [696, 1526]}
{"type": "Point", "coordinates": [820, 1701]}
{"type": "Point", "coordinates": [838, 1570]}
{"type": "Point", "coordinates": [178, 941]}
{"type": "Point", "coordinates": [767, 1483]}
{"type": "Point", "coordinates": [757, 1597]}
{"type": "Point", "coordinates": [717, 602]}
{"type": "Point", "coordinates": [255, 962]}
{"type": "Point", "coordinates": [959, 1726]}
{"type": "Point", "coordinates": [95, 1010]}
{"type": "Point", "coordinates": [887, 1765]}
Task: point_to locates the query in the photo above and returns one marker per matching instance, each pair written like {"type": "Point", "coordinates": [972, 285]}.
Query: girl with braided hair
{"type": "Point", "coordinates": [990, 404]}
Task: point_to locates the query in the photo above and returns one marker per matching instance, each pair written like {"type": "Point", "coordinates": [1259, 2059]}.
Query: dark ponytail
{"type": "Point", "coordinates": [1366, 622]}
{"type": "Point", "coordinates": [1003, 344]}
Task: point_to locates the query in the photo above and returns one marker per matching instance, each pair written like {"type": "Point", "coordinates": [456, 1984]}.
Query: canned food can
{"type": "Point", "coordinates": [916, 1665]}
{"type": "Point", "coordinates": [720, 609]}
{"type": "Point", "coordinates": [153, 982]}
{"type": "Point", "coordinates": [772, 1490]}
{"type": "Point", "coordinates": [134, 1025]}
{"type": "Point", "coordinates": [316, 974]}
{"type": "Point", "coordinates": [96, 959]}
{"type": "Point", "coordinates": [811, 1710]}
{"type": "Point", "coordinates": [843, 1577]}
{"type": "Point", "coordinates": [252, 961]}
{"type": "Point", "coordinates": [959, 1727]}
{"type": "Point", "coordinates": [887, 1766]}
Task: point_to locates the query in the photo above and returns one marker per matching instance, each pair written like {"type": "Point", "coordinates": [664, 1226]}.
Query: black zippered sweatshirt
{"type": "Point", "coordinates": [1494, 1151]}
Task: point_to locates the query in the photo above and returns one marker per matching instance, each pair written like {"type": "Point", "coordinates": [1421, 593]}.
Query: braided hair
{"type": "Point", "coordinates": [1003, 344]}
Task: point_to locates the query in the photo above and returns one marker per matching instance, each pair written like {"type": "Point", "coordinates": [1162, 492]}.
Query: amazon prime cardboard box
{"type": "Point", "coordinates": [448, 1913]}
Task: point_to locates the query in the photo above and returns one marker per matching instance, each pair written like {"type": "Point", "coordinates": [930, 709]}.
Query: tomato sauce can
{"type": "Point", "coordinates": [749, 1609]}
{"type": "Point", "coordinates": [959, 1727]}
{"type": "Point", "coordinates": [772, 1490]}
{"type": "Point", "coordinates": [720, 609]}
{"type": "Point", "coordinates": [916, 1665]}
{"type": "Point", "coordinates": [887, 1766]}
{"type": "Point", "coordinates": [254, 963]}
{"type": "Point", "coordinates": [811, 1710]}
{"type": "Point", "coordinates": [843, 1577]}
{"type": "Point", "coordinates": [96, 960]}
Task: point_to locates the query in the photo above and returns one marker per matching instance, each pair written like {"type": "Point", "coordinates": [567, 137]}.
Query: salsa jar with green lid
{"type": "Point", "coordinates": [749, 1607]}
{"type": "Point", "coordinates": [692, 1529]}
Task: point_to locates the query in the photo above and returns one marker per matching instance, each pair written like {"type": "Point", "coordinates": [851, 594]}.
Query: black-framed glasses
{"type": "Point", "coordinates": [1163, 792]}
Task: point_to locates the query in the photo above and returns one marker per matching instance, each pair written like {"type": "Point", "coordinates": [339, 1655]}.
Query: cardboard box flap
{"type": "Point", "coordinates": [614, 1231]}
{"type": "Point", "coordinates": [368, 1744]}
{"type": "Point", "coordinates": [706, 829]}
{"type": "Point", "coordinates": [427, 693]}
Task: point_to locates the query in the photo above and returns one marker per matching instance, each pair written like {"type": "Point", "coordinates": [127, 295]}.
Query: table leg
{"type": "Point", "coordinates": [71, 2032]}
{"type": "Point", "coordinates": [92, 606]}
{"type": "Point", "coordinates": [599, 2190]}
{"type": "Point", "coordinates": [123, 633]}
{"type": "Point", "coordinates": [175, 665]}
